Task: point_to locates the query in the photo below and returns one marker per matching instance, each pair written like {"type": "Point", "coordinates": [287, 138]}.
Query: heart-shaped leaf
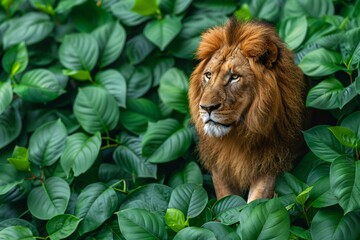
{"type": "Point", "coordinates": [47, 143]}
{"type": "Point", "coordinates": [195, 233]}
{"type": "Point", "coordinates": [321, 62]}
{"type": "Point", "coordinates": [267, 220]}
{"type": "Point", "coordinates": [345, 182]}
{"type": "Point", "coordinates": [122, 10]}
{"type": "Point", "coordinates": [345, 136]}
{"type": "Point", "coordinates": [62, 226]}
{"type": "Point", "coordinates": [175, 219]}
{"type": "Point", "coordinates": [50, 199]}
{"type": "Point", "coordinates": [129, 157]}
{"type": "Point", "coordinates": [10, 126]}
{"type": "Point", "coordinates": [111, 39]}
{"type": "Point", "coordinates": [323, 143]}
{"type": "Point", "coordinates": [79, 51]}
{"type": "Point", "coordinates": [165, 141]}
{"type": "Point", "coordinates": [20, 159]}
{"type": "Point", "coordinates": [95, 204]}
{"type": "Point", "coordinates": [173, 89]}
{"type": "Point", "coordinates": [15, 59]}
{"type": "Point", "coordinates": [189, 198]}
{"type": "Point", "coordinates": [141, 224]}
{"type": "Point", "coordinates": [16, 232]}
{"type": "Point", "coordinates": [39, 85]}
{"type": "Point", "coordinates": [96, 110]}
{"type": "Point", "coordinates": [330, 94]}
{"type": "Point", "coordinates": [145, 7]}
{"type": "Point", "coordinates": [80, 153]}
{"type": "Point", "coordinates": [6, 95]}
{"type": "Point", "coordinates": [190, 173]}
{"type": "Point", "coordinates": [331, 223]}
{"type": "Point", "coordinates": [114, 82]}
{"type": "Point", "coordinates": [152, 197]}
{"type": "Point", "coordinates": [138, 113]}
{"type": "Point", "coordinates": [139, 82]}
{"type": "Point", "coordinates": [23, 28]}
{"type": "Point", "coordinates": [162, 31]}
{"type": "Point", "coordinates": [221, 231]}
{"type": "Point", "coordinates": [293, 31]}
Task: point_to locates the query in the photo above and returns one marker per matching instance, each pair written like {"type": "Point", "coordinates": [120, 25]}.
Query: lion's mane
{"type": "Point", "coordinates": [267, 138]}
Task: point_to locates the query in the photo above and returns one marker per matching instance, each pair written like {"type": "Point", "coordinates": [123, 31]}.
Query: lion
{"type": "Point", "coordinates": [246, 99]}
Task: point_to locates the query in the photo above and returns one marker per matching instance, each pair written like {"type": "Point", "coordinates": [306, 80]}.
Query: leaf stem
{"type": "Point", "coordinates": [111, 139]}
{"type": "Point", "coordinates": [123, 189]}
{"type": "Point", "coordinates": [109, 146]}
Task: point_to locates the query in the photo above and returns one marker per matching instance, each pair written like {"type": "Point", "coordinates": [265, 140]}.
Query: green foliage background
{"type": "Point", "coordinates": [95, 139]}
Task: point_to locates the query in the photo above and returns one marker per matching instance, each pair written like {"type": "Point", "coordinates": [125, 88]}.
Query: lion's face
{"type": "Point", "coordinates": [228, 90]}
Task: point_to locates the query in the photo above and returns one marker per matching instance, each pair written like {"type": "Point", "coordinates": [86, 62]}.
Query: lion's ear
{"type": "Point", "coordinates": [260, 43]}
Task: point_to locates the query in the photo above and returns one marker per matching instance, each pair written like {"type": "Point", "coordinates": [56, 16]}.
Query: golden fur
{"type": "Point", "coordinates": [258, 115]}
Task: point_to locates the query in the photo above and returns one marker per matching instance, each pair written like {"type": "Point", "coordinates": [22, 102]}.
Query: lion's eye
{"type": "Point", "coordinates": [207, 76]}
{"type": "Point", "coordinates": [234, 77]}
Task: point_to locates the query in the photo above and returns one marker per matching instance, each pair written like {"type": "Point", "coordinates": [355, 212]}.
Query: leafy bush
{"type": "Point", "coordinates": [95, 140]}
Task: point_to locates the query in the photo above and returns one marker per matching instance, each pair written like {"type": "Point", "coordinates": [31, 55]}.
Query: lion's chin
{"type": "Point", "coordinates": [216, 130]}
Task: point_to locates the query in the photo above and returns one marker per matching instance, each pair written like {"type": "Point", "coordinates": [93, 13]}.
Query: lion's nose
{"type": "Point", "coordinates": [210, 107]}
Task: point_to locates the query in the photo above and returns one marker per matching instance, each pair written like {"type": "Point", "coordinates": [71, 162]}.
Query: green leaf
{"type": "Point", "coordinates": [95, 204]}
{"type": "Point", "coordinates": [228, 202]}
{"type": "Point", "coordinates": [44, 5]}
{"type": "Point", "coordinates": [141, 224]}
{"type": "Point", "coordinates": [96, 110]}
{"type": "Point", "coordinates": [267, 220]}
{"type": "Point", "coordinates": [20, 159]}
{"type": "Point", "coordinates": [316, 9]}
{"type": "Point", "coordinates": [138, 48]}
{"type": "Point", "coordinates": [180, 6]}
{"type": "Point", "coordinates": [16, 232]}
{"type": "Point", "coordinates": [321, 62]}
{"type": "Point", "coordinates": [221, 231]}
{"type": "Point", "coordinates": [352, 122]}
{"type": "Point", "coordinates": [81, 75]}
{"type": "Point", "coordinates": [23, 29]}
{"type": "Point", "coordinates": [165, 141]}
{"type": "Point", "coordinates": [300, 232]}
{"type": "Point", "coordinates": [345, 136]}
{"type": "Point", "coordinates": [195, 233]}
{"type": "Point", "coordinates": [15, 59]}
{"type": "Point", "coordinates": [190, 173]}
{"type": "Point", "coordinates": [10, 126]}
{"type": "Point", "coordinates": [79, 51]}
{"type": "Point", "coordinates": [39, 85]}
{"type": "Point", "coordinates": [266, 10]}
{"type": "Point", "coordinates": [9, 178]}
{"type": "Point", "coordinates": [66, 5]}
{"type": "Point", "coordinates": [114, 82]}
{"type": "Point", "coordinates": [47, 143]}
{"type": "Point", "coordinates": [330, 94]}
{"type": "Point", "coordinates": [18, 222]}
{"type": "Point", "coordinates": [345, 182]}
{"type": "Point", "coordinates": [80, 153]}
{"type": "Point", "coordinates": [189, 198]}
{"type": "Point", "coordinates": [152, 197]}
{"type": "Point", "coordinates": [146, 7]}
{"type": "Point", "coordinates": [303, 196]}
{"type": "Point", "coordinates": [159, 67]}
{"type": "Point", "coordinates": [219, 6]}
{"type": "Point", "coordinates": [6, 95]}
{"type": "Point", "coordinates": [175, 219]}
{"type": "Point", "coordinates": [50, 199]}
{"type": "Point", "coordinates": [139, 82]}
{"type": "Point", "coordinates": [323, 143]}
{"type": "Point", "coordinates": [129, 157]}
{"type": "Point", "coordinates": [62, 226]}
{"type": "Point", "coordinates": [289, 184]}
{"type": "Point", "coordinates": [293, 31]}
{"type": "Point", "coordinates": [173, 90]}
{"type": "Point", "coordinates": [138, 113]}
{"type": "Point", "coordinates": [331, 223]}
{"type": "Point", "coordinates": [122, 10]}
{"type": "Point", "coordinates": [325, 200]}
{"type": "Point", "coordinates": [162, 31]}
{"type": "Point", "coordinates": [111, 39]}
{"type": "Point", "coordinates": [243, 13]}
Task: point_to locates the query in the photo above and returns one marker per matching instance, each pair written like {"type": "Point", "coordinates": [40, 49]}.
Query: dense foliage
{"type": "Point", "coordinates": [95, 139]}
